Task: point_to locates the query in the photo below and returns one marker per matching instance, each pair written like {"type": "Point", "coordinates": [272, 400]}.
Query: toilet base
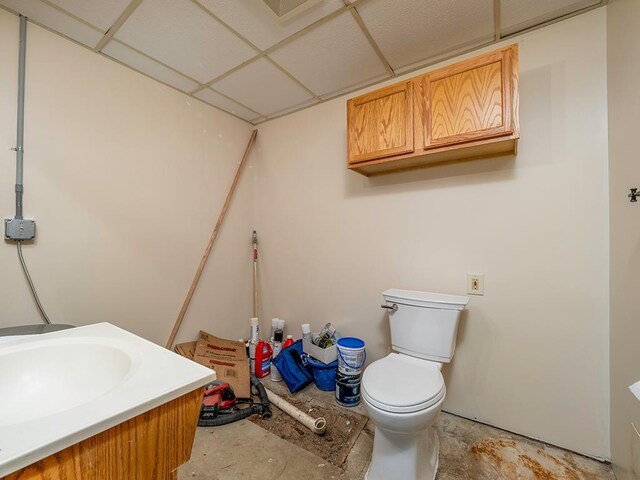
{"type": "Point", "coordinates": [404, 456]}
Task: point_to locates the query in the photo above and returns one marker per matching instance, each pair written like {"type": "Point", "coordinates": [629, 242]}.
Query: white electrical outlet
{"type": "Point", "coordinates": [475, 283]}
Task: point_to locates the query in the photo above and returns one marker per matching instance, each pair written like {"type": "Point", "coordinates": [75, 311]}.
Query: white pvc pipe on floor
{"type": "Point", "coordinates": [316, 425]}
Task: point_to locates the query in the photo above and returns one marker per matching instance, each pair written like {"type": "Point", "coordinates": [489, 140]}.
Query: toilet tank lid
{"type": "Point", "coordinates": [425, 299]}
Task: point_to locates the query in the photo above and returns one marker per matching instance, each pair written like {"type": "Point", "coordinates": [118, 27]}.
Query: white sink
{"type": "Point", "coordinates": [60, 388]}
{"type": "Point", "coordinates": [39, 379]}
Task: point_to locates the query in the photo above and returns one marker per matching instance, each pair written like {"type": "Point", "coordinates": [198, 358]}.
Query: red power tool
{"type": "Point", "coordinates": [217, 396]}
{"type": "Point", "coordinates": [220, 405]}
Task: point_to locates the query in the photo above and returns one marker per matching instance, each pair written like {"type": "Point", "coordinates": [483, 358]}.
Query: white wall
{"type": "Point", "coordinates": [533, 353]}
{"type": "Point", "coordinates": [125, 178]}
{"type": "Point", "coordinates": [623, 44]}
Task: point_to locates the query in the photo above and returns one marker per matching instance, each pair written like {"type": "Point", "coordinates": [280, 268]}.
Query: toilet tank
{"type": "Point", "coordinates": [424, 324]}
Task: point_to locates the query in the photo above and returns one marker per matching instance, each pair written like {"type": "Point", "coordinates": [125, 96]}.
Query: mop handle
{"type": "Point", "coordinates": [255, 275]}
{"type": "Point", "coordinates": [255, 247]}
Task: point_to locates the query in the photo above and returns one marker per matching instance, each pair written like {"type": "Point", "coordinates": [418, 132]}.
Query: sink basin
{"type": "Point", "coordinates": [58, 389]}
{"type": "Point", "coordinates": [42, 380]}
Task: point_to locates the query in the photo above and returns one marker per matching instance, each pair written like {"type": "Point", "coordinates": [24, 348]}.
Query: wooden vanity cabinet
{"type": "Point", "coordinates": [150, 446]}
{"type": "Point", "coordinates": [465, 110]}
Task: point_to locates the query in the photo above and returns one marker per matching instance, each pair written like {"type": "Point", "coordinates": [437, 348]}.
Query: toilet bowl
{"type": "Point", "coordinates": [403, 396]}
{"type": "Point", "coordinates": [403, 392]}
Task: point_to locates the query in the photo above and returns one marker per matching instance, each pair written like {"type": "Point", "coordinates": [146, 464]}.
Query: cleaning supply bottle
{"type": "Point", "coordinates": [277, 347]}
{"type": "Point", "coordinates": [274, 324]}
{"type": "Point", "coordinates": [255, 337]}
{"type": "Point", "coordinates": [288, 342]}
{"type": "Point", "coordinates": [263, 359]}
{"type": "Point", "coordinates": [306, 331]}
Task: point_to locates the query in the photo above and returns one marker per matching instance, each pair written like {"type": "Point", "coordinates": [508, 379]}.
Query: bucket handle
{"type": "Point", "coordinates": [355, 367]}
{"type": "Point", "coordinates": [304, 358]}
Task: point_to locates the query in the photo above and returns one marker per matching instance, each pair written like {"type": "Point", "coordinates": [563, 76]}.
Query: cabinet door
{"type": "Point", "coordinates": [380, 124]}
{"type": "Point", "coordinates": [469, 101]}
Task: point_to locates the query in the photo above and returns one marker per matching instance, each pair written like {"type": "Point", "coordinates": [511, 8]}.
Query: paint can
{"type": "Point", "coordinates": [347, 389]}
{"type": "Point", "coordinates": [351, 355]}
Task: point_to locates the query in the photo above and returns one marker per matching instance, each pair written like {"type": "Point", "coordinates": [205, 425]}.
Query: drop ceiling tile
{"type": "Point", "coordinates": [517, 15]}
{"type": "Point", "coordinates": [304, 104]}
{"type": "Point", "coordinates": [261, 27]}
{"type": "Point", "coordinates": [357, 86]}
{"type": "Point", "coordinates": [330, 57]}
{"type": "Point", "coordinates": [262, 87]}
{"type": "Point", "coordinates": [55, 20]}
{"type": "Point", "coordinates": [137, 61]}
{"type": "Point", "coordinates": [409, 31]}
{"type": "Point", "coordinates": [226, 104]}
{"type": "Point", "coordinates": [454, 52]}
{"type": "Point", "coordinates": [180, 34]}
{"type": "Point", "coordinates": [101, 13]}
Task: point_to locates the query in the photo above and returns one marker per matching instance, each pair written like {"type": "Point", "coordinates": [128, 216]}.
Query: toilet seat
{"type": "Point", "coordinates": [402, 384]}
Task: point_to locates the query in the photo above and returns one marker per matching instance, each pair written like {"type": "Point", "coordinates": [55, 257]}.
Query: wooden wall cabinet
{"type": "Point", "coordinates": [465, 110]}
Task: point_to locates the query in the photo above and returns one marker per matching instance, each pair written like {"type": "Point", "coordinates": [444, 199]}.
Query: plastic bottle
{"type": "Point", "coordinates": [263, 359]}
{"type": "Point", "coordinates": [288, 342]}
{"type": "Point", "coordinates": [274, 324]}
{"type": "Point", "coordinates": [306, 332]}
{"type": "Point", "coordinates": [277, 347]}
{"type": "Point", "coordinates": [255, 329]}
{"type": "Point", "coordinates": [253, 341]}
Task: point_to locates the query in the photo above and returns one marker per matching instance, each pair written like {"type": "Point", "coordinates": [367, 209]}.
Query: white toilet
{"type": "Point", "coordinates": [404, 392]}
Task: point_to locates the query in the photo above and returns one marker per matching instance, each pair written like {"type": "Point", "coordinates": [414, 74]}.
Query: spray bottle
{"type": "Point", "coordinates": [277, 347]}
{"type": "Point", "coordinates": [253, 342]}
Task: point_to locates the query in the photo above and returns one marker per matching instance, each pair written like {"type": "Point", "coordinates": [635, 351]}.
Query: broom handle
{"type": "Point", "coordinates": [207, 251]}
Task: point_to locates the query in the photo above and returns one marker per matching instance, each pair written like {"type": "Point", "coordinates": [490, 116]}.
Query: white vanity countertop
{"type": "Point", "coordinates": [59, 388]}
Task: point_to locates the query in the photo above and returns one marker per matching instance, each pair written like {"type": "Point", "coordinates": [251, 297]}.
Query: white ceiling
{"type": "Point", "coordinates": [237, 56]}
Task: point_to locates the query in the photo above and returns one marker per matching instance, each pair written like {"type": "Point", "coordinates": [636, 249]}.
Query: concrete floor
{"type": "Point", "coordinates": [468, 450]}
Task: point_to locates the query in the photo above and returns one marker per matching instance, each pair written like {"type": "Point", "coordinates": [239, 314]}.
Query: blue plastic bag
{"type": "Point", "coordinates": [294, 373]}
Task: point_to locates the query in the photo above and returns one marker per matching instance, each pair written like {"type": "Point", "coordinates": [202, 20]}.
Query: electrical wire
{"type": "Point", "coordinates": [45, 318]}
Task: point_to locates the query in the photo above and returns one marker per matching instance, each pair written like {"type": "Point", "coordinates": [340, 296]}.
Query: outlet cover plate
{"type": "Point", "coordinates": [475, 283]}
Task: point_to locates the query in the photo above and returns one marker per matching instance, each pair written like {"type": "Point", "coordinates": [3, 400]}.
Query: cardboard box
{"type": "Point", "coordinates": [324, 355]}
{"type": "Point", "coordinates": [228, 358]}
{"type": "Point", "coordinates": [187, 350]}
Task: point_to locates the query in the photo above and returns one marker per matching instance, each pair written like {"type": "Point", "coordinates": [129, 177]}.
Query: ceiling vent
{"type": "Point", "coordinates": [286, 9]}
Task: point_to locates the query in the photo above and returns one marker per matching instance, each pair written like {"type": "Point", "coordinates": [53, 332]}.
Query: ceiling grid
{"type": "Point", "coordinates": [239, 57]}
{"type": "Point", "coordinates": [117, 24]}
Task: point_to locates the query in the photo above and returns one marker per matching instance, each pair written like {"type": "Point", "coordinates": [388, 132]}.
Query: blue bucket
{"type": "Point", "coordinates": [324, 374]}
